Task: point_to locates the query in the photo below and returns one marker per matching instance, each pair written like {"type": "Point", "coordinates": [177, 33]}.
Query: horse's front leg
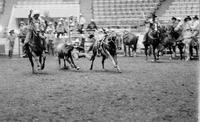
{"type": "Point", "coordinates": [59, 62]}
{"type": "Point", "coordinates": [37, 61]}
{"type": "Point", "coordinates": [116, 62]}
{"type": "Point", "coordinates": [129, 50]}
{"type": "Point", "coordinates": [146, 51]}
{"type": "Point", "coordinates": [113, 60]}
{"type": "Point", "coordinates": [64, 60]}
{"type": "Point", "coordinates": [154, 53]}
{"type": "Point", "coordinates": [32, 63]}
{"type": "Point", "coordinates": [174, 50]}
{"type": "Point", "coordinates": [93, 58]}
{"type": "Point", "coordinates": [171, 53]}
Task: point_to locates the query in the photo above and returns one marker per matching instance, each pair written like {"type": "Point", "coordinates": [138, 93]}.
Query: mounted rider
{"type": "Point", "coordinates": [152, 25]}
{"type": "Point", "coordinates": [37, 27]}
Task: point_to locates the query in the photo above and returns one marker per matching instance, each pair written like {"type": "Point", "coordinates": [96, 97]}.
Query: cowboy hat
{"type": "Point", "coordinates": [178, 18]}
{"type": "Point", "coordinates": [195, 17]}
{"type": "Point", "coordinates": [59, 23]}
{"type": "Point", "coordinates": [92, 20]}
{"type": "Point", "coordinates": [50, 23]}
{"type": "Point", "coordinates": [187, 18]}
{"type": "Point", "coordinates": [173, 18]}
{"type": "Point", "coordinates": [61, 19]}
{"type": "Point", "coordinates": [11, 31]}
{"type": "Point", "coordinates": [21, 22]}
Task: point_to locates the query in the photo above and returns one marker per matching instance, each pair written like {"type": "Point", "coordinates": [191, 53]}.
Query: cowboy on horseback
{"type": "Point", "coordinates": [36, 27]}
{"type": "Point", "coordinates": [152, 26]}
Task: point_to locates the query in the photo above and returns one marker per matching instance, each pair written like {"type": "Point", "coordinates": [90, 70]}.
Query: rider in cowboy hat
{"type": "Point", "coordinates": [35, 25]}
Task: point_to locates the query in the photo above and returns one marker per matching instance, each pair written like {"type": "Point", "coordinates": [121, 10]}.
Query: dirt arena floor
{"type": "Point", "coordinates": [144, 92]}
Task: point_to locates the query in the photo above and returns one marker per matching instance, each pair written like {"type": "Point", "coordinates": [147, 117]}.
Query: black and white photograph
{"type": "Point", "coordinates": [99, 60]}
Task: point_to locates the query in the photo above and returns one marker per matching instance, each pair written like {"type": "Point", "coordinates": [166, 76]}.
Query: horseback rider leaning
{"type": "Point", "coordinates": [37, 27]}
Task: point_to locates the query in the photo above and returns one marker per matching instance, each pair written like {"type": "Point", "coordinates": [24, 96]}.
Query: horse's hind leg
{"type": "Point", "coordinates": [43, 62]}
{"type": "Point", "coordinates": [103, 61]}
{"type": "Point", "coordinates": [124, 50]}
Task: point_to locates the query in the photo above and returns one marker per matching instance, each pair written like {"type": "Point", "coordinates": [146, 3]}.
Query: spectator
{"type": "Point", "coordinates": [60, 29]}
{"type": "Point", "coordinates": [92, 25]}
{"type": "Point", "coordinates": [11, 39]}
{"type": "Point", "coordinates": [195, 27]}
{"type": "Point", "coordinates": [82, 22]}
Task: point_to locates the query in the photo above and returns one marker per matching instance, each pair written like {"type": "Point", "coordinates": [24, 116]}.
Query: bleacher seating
{"type": "Point", "coordinates": [45, 2]}
{"type": "Point", "coordinates": [123, 13]}
{"type": "Point", "coordinates": [1, 6]}
{"type": "Point", "coordinates": [182, 8]}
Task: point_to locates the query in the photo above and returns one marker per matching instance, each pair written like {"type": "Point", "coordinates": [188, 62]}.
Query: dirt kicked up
{"type": "Point", "coordinates": [143, 92]}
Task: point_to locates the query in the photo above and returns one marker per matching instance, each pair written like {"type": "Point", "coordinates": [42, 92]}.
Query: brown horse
{"type": "Point", "coordinates": [35, 49]}
{"type": "Point", "coordinates": [131, 41]}
{"type": "Point", "coordinates": [107, 48]}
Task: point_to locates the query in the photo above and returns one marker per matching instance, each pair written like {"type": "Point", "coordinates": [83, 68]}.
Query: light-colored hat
{"type": "Point", "coordinates": [178, 18]}
{"type": "Point", "coordinates": [61, 19]}
{"type": "Point", "coordinates": [50, 23]}
{"type": "Point", "coordinates": [92, 20]}
{"type": "Point", "coordinates": [59, 23]}
{"type": "Point", "coordinates": [80, 14]}
{"type": "Point", "coordinates": [21, 22]}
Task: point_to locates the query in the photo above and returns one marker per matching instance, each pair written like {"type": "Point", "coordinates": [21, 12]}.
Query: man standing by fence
{"type": "Point", "coordinates": [11, 38]}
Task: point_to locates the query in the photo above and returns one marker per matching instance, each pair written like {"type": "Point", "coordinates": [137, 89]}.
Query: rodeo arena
{"type": "Point", "coordinates": [99, 60]}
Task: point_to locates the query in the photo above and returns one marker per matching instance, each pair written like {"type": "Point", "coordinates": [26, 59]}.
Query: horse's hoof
{"type": "Point", "coordinates": [119, 71]}
{"type": "Point", "coordinates": [77, 68]}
